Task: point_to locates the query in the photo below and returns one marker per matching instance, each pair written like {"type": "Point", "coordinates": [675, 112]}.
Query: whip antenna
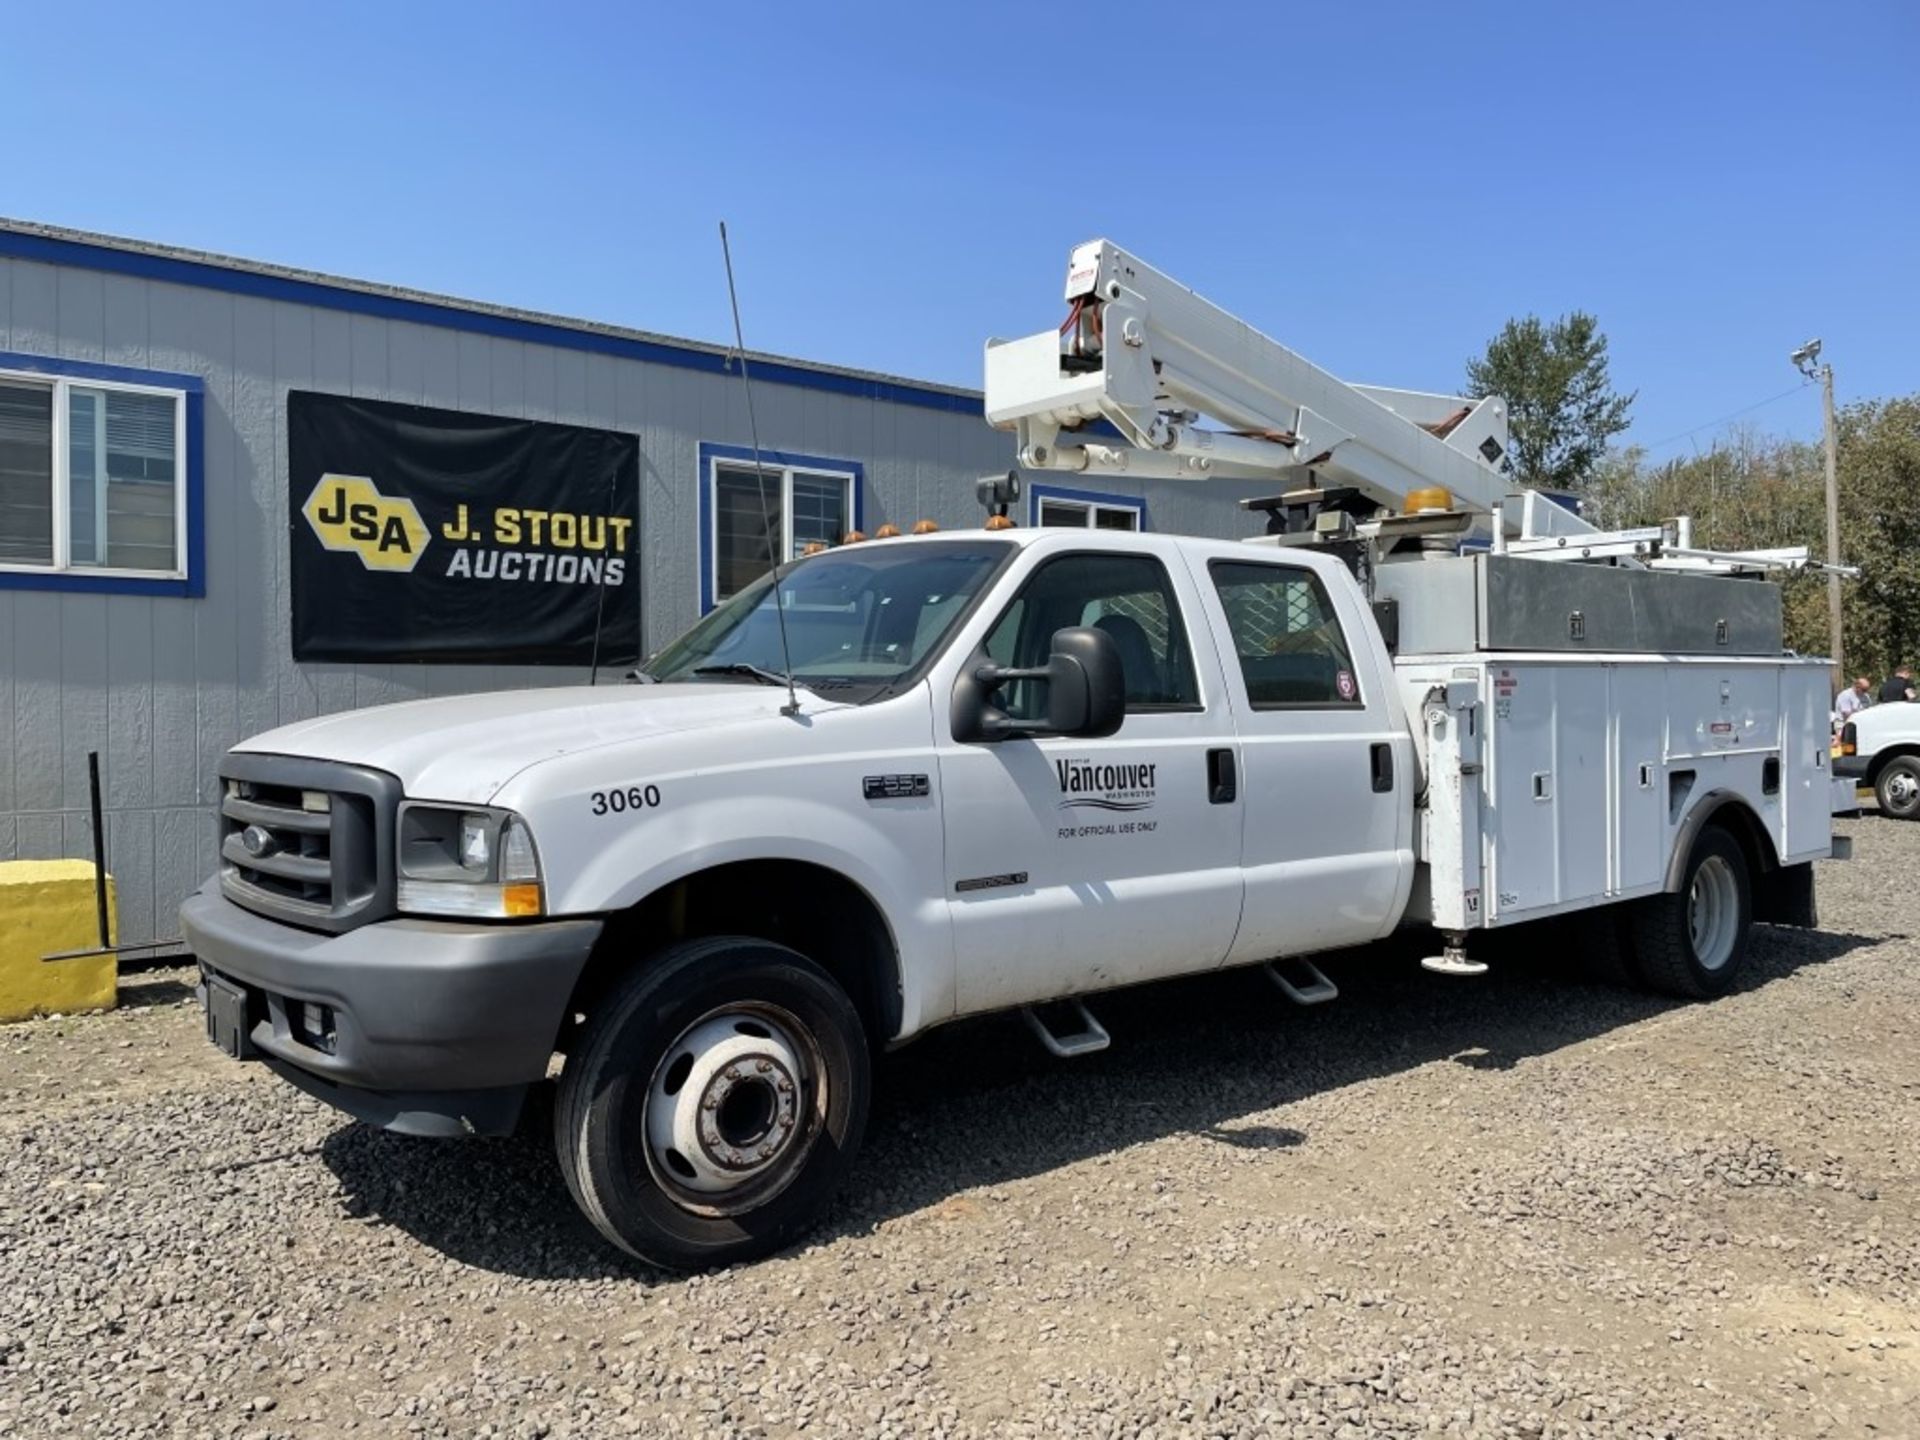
{"type": "Point", "coordinates": [792, 707]}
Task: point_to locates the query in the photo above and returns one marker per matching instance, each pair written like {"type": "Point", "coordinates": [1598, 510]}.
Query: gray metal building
{"type": "Point", "coordinates": [144, 506]}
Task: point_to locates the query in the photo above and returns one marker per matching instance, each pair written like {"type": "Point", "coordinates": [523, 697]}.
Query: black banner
{"type": "Point", "coordinates": [422, 534]}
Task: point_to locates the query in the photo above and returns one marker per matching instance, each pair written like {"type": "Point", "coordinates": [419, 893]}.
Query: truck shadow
{"type": "Point", "coordinates": [979, 1102]}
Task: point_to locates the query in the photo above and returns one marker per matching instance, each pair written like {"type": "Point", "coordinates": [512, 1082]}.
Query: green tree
{"type": "Point", "coordinates": [1880, 532]}
{"type": "Point", "coordinates": [1562, 408]}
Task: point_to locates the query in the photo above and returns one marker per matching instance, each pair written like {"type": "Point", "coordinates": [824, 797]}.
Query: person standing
{"type": "Point", "coordinates": [1852, 700]}
{"type": "Point", "coordinates": [1899, 685]}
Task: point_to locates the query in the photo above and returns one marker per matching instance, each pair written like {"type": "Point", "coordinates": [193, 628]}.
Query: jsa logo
{"type": "Point", "coordinates": [348, 513]}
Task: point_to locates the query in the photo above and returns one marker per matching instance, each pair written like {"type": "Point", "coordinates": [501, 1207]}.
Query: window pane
{"type": "Point", "coordinates": [819, 511]}
{"type": "Point", "coordinates": [1291, 648]}
{"type": "Point", "coordinates": [1126, 596]}
{"type": "Point", "coordinates": [1059, 512]}
{"type": "Point", "coordinates": [856, 620]}
{"type": "Point", "coordinates": [1109, 518]}
{"type": "Point", "coordinates": [742, 522]}
{"type": "Point", "coordinates": [26, 474]}
{"type": "Point", "coordinates": [121, 485]}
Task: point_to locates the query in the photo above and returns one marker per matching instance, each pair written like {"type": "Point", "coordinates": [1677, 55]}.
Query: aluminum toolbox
{"type": "Point", "coordinates": [1455, 604]}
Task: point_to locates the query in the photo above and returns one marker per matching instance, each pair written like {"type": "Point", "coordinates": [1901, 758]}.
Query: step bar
{"type": "Point", "coordinates": [1089, 1039]}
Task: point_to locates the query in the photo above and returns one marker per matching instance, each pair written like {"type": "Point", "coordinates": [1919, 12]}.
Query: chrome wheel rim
{"type": "Point", "coordinates": [1903, 790]}
{"type": "Point", "coordinates": [733, 1108]}
{"type": "Point", "coordinates": [1713, 912]}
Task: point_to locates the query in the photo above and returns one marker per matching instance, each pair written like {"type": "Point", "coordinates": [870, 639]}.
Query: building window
{"type": "Point", "coordinates": [1052, 505]}
{"type": "Point", "coordinates": [792, 501]}
{"type": "Point", "coordinates": [95, 482]}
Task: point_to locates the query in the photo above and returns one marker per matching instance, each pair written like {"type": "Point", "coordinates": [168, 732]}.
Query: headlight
{"type": "Point", "coordinates": [475, 864]}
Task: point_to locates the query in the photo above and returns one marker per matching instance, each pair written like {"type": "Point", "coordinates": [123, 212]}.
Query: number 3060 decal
{"type": "Point", "coordinates": [634, 797]}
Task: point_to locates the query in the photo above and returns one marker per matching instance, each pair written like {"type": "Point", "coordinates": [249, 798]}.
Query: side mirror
{"type": "Point", "coordinates": [1086, 692]}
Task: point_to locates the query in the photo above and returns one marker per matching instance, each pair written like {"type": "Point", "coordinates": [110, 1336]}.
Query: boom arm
{"type": "Point", "coordinates": [1150, 357]}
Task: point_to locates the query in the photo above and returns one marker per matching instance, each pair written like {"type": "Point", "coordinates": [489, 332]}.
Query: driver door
{"type": "Point", "coordinates": [1076, 864]}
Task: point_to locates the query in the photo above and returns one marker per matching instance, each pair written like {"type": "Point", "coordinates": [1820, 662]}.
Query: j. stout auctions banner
{"type": "Point", "coordinates": [424, 534]}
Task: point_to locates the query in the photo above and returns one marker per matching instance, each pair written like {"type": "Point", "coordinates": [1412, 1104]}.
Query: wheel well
{"type": "Point", "coordinates": [1745, 827]}
{"type": "Point", "coordinates": [1735, 817]}
{"type": "Point", "coordinates": [817, 911]}
{"type": "Point", "coordinates": [1882, 756]}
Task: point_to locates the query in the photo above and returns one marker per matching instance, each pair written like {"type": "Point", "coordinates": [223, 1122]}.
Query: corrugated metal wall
{"type": "Point", "coordinates": [162, 686]}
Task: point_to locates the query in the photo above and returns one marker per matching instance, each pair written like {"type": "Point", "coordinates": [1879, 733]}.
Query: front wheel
{"type": "Point", "coordinates": [715, 1103]}
{"type": "Point", "coordinates": [1692, 943]}
{"type": "Point", "coordinates": [1897, 788]}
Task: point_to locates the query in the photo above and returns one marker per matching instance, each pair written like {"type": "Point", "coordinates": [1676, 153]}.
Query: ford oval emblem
{"type": "Point", "coordinates": [258, 841]}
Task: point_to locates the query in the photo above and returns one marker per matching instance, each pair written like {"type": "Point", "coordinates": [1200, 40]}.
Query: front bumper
{"type": "Point", "coordinates": [430, 1027]}
{"type": "Point", "coordinates": [1852, 767]}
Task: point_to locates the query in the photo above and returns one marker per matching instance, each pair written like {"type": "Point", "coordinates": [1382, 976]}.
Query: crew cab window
{"type": "Point", "coordinates": [1288, 640]}
{"type": "Point", "coordinates": [1127, 596]}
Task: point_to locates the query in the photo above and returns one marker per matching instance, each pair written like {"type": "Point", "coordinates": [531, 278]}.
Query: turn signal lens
{"type": "Point", "coordinates": [926, 527]}
{"type": "Point", "coordinates": [1428, 498]}
{"type": "Point", "coordinates": [518, 863]}
{"type": "Point", "coordinates": [888, 531]}
{"type": "Point", "coordinates": [520, 900]}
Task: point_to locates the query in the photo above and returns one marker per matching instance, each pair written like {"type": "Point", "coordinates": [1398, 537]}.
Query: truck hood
{"type": "Point", "coordinates": [1887, 723]}
{"type": "Point", "coordinates": [463, 748]}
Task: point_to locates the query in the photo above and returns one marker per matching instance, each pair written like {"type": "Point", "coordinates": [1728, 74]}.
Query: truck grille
{"type": "Point", "coordinates": [309, 842]}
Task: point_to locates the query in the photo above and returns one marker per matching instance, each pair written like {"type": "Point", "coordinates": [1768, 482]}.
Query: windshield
{"type": "Point", "coordinates": [858, 621]}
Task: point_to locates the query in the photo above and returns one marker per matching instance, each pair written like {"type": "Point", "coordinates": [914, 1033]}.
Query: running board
{"type": "Point", "coordinates": [1318, 989]}
{"type": "Point", "coordinates": [1092, 1036]}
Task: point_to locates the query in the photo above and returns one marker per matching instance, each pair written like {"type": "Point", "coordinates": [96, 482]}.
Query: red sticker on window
{"type": "Point", "coordinates": [1343, 682]}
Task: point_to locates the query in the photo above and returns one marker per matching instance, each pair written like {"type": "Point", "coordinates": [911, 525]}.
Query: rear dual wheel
{"type": "Point", "coordinates": [715, 1103]}
{"type": "Point", "coordinates": [1692, 942]}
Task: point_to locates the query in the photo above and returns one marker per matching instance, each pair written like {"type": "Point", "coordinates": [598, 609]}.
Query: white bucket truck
{"type": "Point", "coordinates": [910, 780]}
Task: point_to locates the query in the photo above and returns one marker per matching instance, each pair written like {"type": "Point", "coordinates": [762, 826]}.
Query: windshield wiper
{"type": "Point", "coordinates": [751, 672]}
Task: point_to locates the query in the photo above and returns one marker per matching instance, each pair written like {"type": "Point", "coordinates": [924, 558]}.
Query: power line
{"type": "Point", "coordinates": [1735, 415]}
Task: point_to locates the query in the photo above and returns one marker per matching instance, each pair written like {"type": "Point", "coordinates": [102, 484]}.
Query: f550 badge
{"type": "Point", "coordinates": [348, 512]}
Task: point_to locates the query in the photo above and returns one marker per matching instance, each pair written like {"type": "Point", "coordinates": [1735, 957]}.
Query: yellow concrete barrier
{"type": "Point", "coordinates": [45, 906]}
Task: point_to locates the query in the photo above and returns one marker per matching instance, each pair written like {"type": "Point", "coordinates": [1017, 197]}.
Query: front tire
{"type": "Point", "coordinates": [1897, 788]}
{"type": "Point", "coordinates": [1693, 942]}
{"type": "Point", "coordinates": [714, 1104]}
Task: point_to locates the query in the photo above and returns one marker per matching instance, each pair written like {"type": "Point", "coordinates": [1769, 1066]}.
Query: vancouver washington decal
{"type": "Point", "coordinates": [1118, 789]}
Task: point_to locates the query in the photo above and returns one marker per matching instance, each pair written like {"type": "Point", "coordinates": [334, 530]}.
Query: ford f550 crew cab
{"type": "Point", "coordinates": [1024, 766]}
{"type": "Point", "coordinates": [911, 780]}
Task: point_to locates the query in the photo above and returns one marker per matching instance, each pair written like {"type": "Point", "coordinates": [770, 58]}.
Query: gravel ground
{"type": "Point", "coordinates": [1523, 1205]}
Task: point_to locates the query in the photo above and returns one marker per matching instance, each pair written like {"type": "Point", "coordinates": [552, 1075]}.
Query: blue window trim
{"type": "Point", "coordinates": [143, 265]}
{"type": "Point", "coordinates": [1037, 493]}
{"type": "Point", "coordinates": [710, 452]}
{"type": "Point", "coordinates": [195, 389]}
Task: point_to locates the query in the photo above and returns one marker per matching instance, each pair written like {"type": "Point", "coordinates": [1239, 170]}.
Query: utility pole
{"type": "Point", "coordinates": [1804, 360]}
{"type": "Point", "coordinates": [1833, 529]}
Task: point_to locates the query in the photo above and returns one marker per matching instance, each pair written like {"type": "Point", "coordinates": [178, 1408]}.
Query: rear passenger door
{"type": "Point", "coordinates": [1078, 864]}
{"type": "Point", "coordinates": [1326, 763]}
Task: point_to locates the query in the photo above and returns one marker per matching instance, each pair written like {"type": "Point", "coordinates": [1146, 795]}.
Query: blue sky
{"type": "Point", "coordinates": [1377, 185]}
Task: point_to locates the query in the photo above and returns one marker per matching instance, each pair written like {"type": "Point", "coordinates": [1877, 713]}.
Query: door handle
{"type": "Point", "coordinates": [1382, 768]}
{"type": "Point", "coordinates": [1222, 780]}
